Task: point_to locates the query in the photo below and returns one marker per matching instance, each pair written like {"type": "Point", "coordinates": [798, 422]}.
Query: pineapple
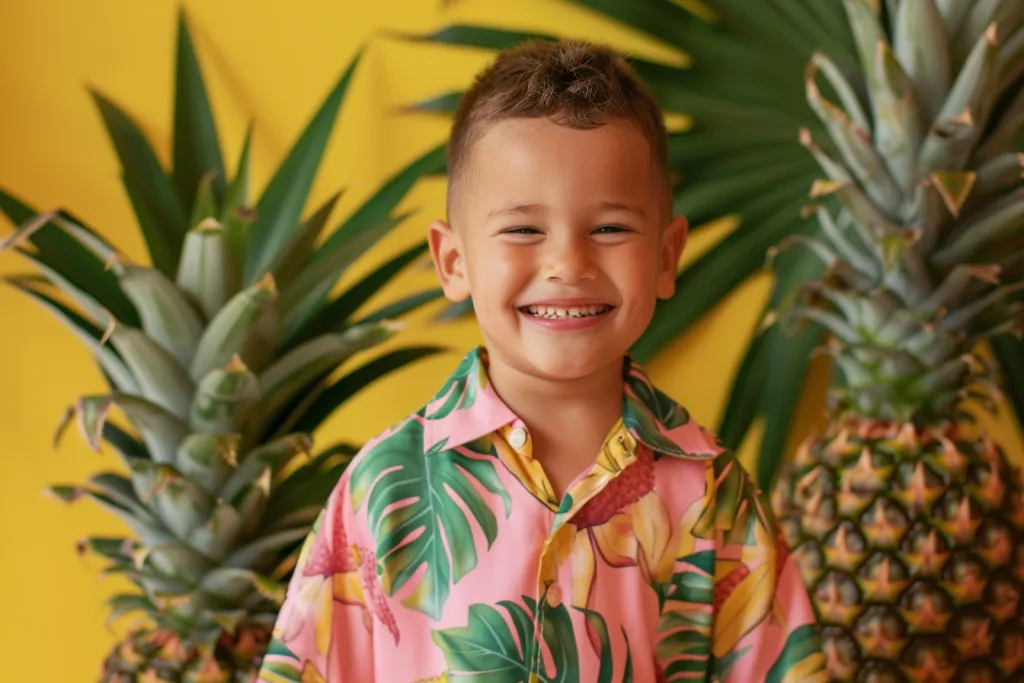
{"type": "Point", "coordinates": [906, 518]}
{"type": "Point", "coordinates": [219, 356]}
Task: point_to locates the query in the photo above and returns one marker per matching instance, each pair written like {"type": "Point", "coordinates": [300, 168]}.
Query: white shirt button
{"type": "Point", "coordinates": [517, 439]}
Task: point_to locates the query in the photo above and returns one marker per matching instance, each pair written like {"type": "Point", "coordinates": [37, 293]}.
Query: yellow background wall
{"type": "Point", "coordinates": [271, 61]}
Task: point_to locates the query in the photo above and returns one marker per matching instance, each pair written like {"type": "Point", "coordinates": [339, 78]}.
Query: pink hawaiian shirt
{"type": "Point", "coordinates": [442, 555]}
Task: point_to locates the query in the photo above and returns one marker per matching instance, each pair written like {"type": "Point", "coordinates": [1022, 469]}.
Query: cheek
{"type": "Point", "coordinates": [499, 270]}
{"type": "Point", "coordinates": [634, 269]}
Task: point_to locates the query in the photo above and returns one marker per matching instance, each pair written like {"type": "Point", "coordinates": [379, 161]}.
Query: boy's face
{"type": "Point", "coordinates": [562, 238]}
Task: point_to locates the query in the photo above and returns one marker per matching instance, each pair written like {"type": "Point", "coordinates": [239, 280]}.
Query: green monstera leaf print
{"type": "Point", "coordinates": [487, 651]}
{"type": "Point", "coordinates": [604, 675]}
{"type": "Point", "coordinates": [412, 495]}
{"type": "Point", "coordinates": [801, 648]}
{"type": "Point", "coordinates": [461, 388]}
{"type": "Point", "coordinates": [667, 411]}
{"type": "Point", "coordinates": [646, 407]}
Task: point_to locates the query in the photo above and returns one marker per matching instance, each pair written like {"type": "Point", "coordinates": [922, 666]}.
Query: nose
{"type": "Point", "coordinates": [569, 260]}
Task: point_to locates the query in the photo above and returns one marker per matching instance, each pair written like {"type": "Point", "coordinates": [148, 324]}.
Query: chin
{"type": "Point", "coordinates": [568, 361]}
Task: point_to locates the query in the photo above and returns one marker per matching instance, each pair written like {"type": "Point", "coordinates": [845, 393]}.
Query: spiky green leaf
{"type": "Point", "coordinates": [168, 318]}
{"type": "Point", "coordinates": [161, 431]}
{"type": "Point", "coordinates": [295, 255]}
{"type": "Point", "coordinates": [227, 401]}
{"type": "Point", "coordinates": [160, 213]}
{"type": "Point", "coordinates": [273, 454]}
{"type": "Point", "coordinates": [280, 206]}
{"type": "Point", "coordinates": [313, 360]}
{"type": "Point", "coordinates": [247, 326]}
{"type": "Point", "coordinates": [401, 307]}
{"type": "Point", "coordinates": [206, 272]}
{"type": "Point", "coordinates": [237, 213]}
{"type": "Point", "coordinates": [480, 36]}
{"type": "Point", "coordinates": [357, 380]}
{"type": "Point", "coordinates": [264, 550]}
{"type": "Point", "coordinates": [208, 459]}
{"type": "Point", "coordinates": [161, 377]}
{"type": "Point", "coordinates": [196, 147]}
{"type": "Point", "coordinates": [304, 297]}
{"type": "Point", "coordinates": [67, 256]}
{"type": "Point", "coordinates": [121, 377]}
{"type": "Point", "coordinates": [336, 314]}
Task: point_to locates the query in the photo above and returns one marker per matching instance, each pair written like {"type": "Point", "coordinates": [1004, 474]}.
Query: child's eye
{"type": "Point", "coordinates": [610, 230]}
{"type": "Point", "coordinates": [522, 230]}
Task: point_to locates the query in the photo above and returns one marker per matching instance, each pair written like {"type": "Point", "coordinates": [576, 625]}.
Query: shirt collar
{"type": "Point", "coordinates": [467, 408]}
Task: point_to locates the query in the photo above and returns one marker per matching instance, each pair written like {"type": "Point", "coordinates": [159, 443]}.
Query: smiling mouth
{"type": "Point", "coordinates": [566, 312]}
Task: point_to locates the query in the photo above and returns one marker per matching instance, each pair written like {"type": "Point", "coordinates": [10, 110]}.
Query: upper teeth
{"type": "Point", "coordinates": [565, 312]}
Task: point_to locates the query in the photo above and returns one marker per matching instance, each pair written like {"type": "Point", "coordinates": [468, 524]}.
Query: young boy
{"type": "Point", "coordinates": [549, 515]}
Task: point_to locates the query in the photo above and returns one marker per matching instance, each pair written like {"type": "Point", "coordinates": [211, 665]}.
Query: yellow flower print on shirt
{"type": "Point", "coordinates": [744, 593]}
{"type": "Point", "coordinates": [626, 524]}
{"type": "Point", "coordinates": [612, 512]}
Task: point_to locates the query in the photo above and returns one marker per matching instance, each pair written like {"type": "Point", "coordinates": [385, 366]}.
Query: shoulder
{"type": "Point", "coordinates": [664, 424]}
{"type": "Point", "coordinates": [670, 429]}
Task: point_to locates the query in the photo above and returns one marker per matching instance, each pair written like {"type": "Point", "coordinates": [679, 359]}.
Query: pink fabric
{"type": "Point", "coordinates": [442, 556]}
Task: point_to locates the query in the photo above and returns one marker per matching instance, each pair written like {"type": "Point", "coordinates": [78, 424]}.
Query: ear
{"type": "Point", "coordinates": [446, 251]}
{"type": "Point", "coordinates": [673, 241]}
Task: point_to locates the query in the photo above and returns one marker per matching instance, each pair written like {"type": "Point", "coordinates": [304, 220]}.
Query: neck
{"type": "Point", "coordinates": [543, 403]}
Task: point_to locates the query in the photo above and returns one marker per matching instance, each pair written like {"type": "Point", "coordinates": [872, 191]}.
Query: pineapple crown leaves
{"type": "Point", "coordinates": [200, 447]}
{"type": "Point", "coordinates": [208, 261]}
{"type": "Point", "coordinates": [930, 212]}
{"type": "Point", "coordinates": [221, 354]}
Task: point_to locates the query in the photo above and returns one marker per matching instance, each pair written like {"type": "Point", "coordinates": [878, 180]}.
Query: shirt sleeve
{"type": "Point", "coordinates": [324, 630]}
{"type": "Point", "coordinates": [764, 627]}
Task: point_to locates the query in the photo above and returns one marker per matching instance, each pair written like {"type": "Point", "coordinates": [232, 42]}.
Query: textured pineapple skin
{"type": "Point", "coordinates": [157, 656]}
{"type": "Point", "coordinates": [911, 543]}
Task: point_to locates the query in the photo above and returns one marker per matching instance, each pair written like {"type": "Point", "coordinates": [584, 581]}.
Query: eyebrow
{"type": "Point", "coordinates": [527, 209]}
{"type": "Point", "coordinates": [620, 206]}
{"type": "Point", "coordinates": [513, 209]}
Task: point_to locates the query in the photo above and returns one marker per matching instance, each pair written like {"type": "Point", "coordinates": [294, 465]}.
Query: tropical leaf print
{"type": "Point", "coordinates": [487, 651]}
{"type": "Point", "coordinates": [684, 651]}
{"type": "Point", "coordinates": [666, 411]}
{"type": "Point", "coordinates": [689, 586]}
{"type": "Point", "coordinates": [721, 666]}
{"type": "Point", "coordinates": [281, 665]}
{"type": "Point", "coordinates": [604, 675]}
{"type": "Point", "coordinates": [733, 507]}
{"type": "Point", "coordinates": [280, 672]}
{"type": "Point", "coordinates": [647, 412]}
{"type": "Point", "coordinates": [412, 498]}
{"type": "Point", "coordinates": [801, 658]}
{"type": "Point", "coordinates": [459, 392]}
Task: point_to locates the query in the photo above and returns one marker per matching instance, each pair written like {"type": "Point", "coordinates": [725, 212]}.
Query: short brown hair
{"type": "Point", "coordinates": [576, 83]}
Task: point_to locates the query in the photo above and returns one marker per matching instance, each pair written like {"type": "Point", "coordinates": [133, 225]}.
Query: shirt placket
{"type": "Point", "coordinates": [549, 595]}
{"type": "Point", "coordinates": [619, 452]}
